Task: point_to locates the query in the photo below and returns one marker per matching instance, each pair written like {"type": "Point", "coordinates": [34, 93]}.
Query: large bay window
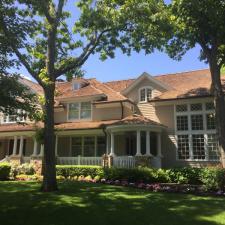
{"type": "Point", "coordinates": [196, 132]}
{"type": "Point", "coordinates": [79, 110]}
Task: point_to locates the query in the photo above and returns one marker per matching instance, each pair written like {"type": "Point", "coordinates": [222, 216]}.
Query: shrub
{"type": "Point", "coordinates": [23, 169]}
{"type": "Point", "coordinates": [185, 175]}
{"type": "Point", "coordinates": [72, 171]}
{"type": "Point", "coordinates": [213, 179]}
{"type": "Point", "coordinates": [5, 171]}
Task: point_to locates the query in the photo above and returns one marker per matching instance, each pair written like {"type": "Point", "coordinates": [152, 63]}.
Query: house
{"type": "Point", "coordinates": [162, 121]}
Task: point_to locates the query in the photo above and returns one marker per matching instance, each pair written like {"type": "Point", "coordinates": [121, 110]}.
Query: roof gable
{"type": "Point", "coordinates": [150, 78]}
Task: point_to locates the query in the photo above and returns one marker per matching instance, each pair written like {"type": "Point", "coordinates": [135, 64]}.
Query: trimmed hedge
{"type": "Point", "coordinates": [5, 169]}
{"type": "Point", "coordinates": [211, 178]}
{"type": "Point", "coordinates": [72, 171]}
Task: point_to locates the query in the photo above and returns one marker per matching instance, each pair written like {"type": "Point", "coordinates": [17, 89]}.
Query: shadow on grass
{"type": "Point", "coordinates": [97, 204]}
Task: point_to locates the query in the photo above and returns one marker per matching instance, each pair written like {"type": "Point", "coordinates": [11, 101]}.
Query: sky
{"type": "Point", "coordinates": [124, 67]}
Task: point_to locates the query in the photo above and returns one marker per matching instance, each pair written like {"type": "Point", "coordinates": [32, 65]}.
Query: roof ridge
{"type": "Point", "coordinates": [119, 80]}
{"type": "Point", "coordinates": [179, 73]}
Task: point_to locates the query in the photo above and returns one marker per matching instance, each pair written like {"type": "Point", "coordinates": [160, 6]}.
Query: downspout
{"type": "Point", "coordinates": [122, 110]}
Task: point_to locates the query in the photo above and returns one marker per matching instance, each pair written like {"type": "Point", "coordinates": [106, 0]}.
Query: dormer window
{"type": "Point", "coordinates": [76, 86]}
{"type": "Point", "coordinates": [145, 94]}
{"type": "Point", "coordinates": [78, 83]}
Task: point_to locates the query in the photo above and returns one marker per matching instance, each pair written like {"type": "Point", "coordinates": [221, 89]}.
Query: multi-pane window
{"type": "Point", "coordinates": [196, 132]}
{"type": "Point", "coordinates": [213, 147]}
{"type": "Point", "coordinates": [181, 108]}
{"type": "Point", "coordinates": [196, 107]}
{"type": "Point", "coordinates": [145, 94]}
{"type": "Point", "coordinates": [182, 123]}
{"type": "Point", "coordinates": [19, 117]}
{"type": "Point", "coordinates": [183, 147]}
{"type": "Point", "coordinates": [101, 145]}
{"type": "Point", "coordinates": [197, 122]}
{"type": "Point", "coordinates": [76, 146]}
{"type": "Point", "coordinates": [198, 146]}
{"type": "Point", "coordinates": [78, 111]}
{"type": "Point", "coordinates": [209, 106]}
{"type": "Point", "coordinates": [85, 111]}
{"type": "Point", "coordinates": [210, 121]}
{"type": "Point", "coordinates": [74, 111]}
{"type": "Point", "coordinates": [89, 146]}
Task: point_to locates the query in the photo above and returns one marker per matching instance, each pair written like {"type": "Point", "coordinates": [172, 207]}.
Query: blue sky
{"type": "Point", "coordinates": [124, 67]}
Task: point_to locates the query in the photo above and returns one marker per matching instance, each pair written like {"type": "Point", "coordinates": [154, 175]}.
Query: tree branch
{"type": "Point", "coordinates": [20, 56]}
{"type": "Point", "coordinates": [77, 62]}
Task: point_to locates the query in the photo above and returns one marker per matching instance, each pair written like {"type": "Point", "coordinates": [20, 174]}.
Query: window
{"type": "Point", "coordinates": [78, 111]}
{"type": "Point", "coordinates": [182, 123]}
{"type": "Point", "coordinates": [145, 94]}
{"type": "Point", "coordinates": [76, 146]}
{"type": "Point", "coordinates": [85, 111]}
{"type": "Point", "coordinates": [197, 122]}
{"type": "Point", "coordinates": [196, 132]}
{"type": "Point", "coordinates": [196, 107]}
{"type": "Point", "coordinates": [183, 147]}
{"type": "Point", "coordinates": [209, 106]}
{"type": "Point", "coordinates": [213, 149]}
{"type": "Point", "coordinates": [21, 117]}
{"type": "Point", "coordinates": [76, 86]}
{"type": "Point", "coordinates": [89, 146]}
{"type": "Point", "coordinates": [73, 111]}
{"type": "Point", "coordinates": [210, 121]}
{"type": "Point", "coordinates": [181, 108]}
{"type": "Point", "coordinates": [198, 146]}
{"type": "Point", "coordinates": [101, 146]}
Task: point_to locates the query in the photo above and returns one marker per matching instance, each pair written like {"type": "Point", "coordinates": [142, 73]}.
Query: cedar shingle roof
{"type": "Point", "coordinates": [130, 120]}
{"type": "Point", "coordinates": [137, 120]}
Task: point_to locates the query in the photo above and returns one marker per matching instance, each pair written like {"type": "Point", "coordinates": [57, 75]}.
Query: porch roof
{"type": "Point", "coordinates": [82, 125]}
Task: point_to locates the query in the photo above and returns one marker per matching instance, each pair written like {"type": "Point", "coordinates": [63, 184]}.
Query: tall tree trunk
{"type": "Point", "coordinates": [217, 91]}
{"type": "Point", "coordinates": [49, 161]}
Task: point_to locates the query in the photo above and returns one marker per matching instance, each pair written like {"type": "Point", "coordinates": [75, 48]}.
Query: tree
{"type": "Point", "coordinates": [14, 96]}
{"type": "Point", "coordinates": [48, 48]}
{"type": "Point", "coordinates": [202, 22]}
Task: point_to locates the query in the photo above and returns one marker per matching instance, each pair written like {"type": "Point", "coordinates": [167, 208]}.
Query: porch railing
{"type": "Point", "coordinates": [124, 161]}
{"type": "Point", "coordinates": [80, 160]}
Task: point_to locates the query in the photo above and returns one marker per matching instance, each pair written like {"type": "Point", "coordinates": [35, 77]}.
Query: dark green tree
{"type": "Point", "coordinates": [49, 48]}
{"type": "Point", "coordinates": [202, 22]}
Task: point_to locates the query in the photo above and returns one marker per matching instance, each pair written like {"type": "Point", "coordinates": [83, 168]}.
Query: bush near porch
{"type": "Point", "coordinates": [212, 179]}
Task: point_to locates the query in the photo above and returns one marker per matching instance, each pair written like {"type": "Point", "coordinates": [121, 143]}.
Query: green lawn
{"type": "Point", "coordinates": [95, 204]}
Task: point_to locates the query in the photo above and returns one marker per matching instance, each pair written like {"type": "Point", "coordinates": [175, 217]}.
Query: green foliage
{"type": "Point", "coordinates": [72, 171]}
{"type": "Point", "coordinates": [23, 169]}
{"type": "Point", "coordinates": [5, 171]}
{"type": "Point", "coordinates": [213, 179]}
{"type": "Point", "coordinates": [184, 175]}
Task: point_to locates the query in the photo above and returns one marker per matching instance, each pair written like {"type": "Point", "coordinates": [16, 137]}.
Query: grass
{"type": "Point", "coordinates": [21, 203]}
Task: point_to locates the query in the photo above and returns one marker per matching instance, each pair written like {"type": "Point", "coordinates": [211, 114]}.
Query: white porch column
{"type": "Point", "coordinates": [108, 144]}
{"type": "Point", "coordinates": [112, 153]}
{"type": "Point", "coordinates": [56, 145]}
{"type": "Point", "coordinates": [148, 151]}
{"type": "Point", "coordinates": [159, 150]}
{"type": "Point", "coordinates": [21, 145]}
{"type": "Point", "coordinates": [138, 153]}
{"type": "Point", "coordinates": [35, 148]}
{"type": "Point", "coordinates": [15, 145]}
{"type": "Point", "coordinates": [42, 150]}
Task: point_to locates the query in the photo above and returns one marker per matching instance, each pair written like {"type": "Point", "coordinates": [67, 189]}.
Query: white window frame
{"type": "Point", "coordinates": [11, 122]}
{"type": "Point", "coordinates": [146, 97]}
{"type": "Point", "coordinates": [82, 144]}
{"type": "Point", "coordinates": [79, 117]}
{"type": "Point", "coordinates": [190, 132]}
